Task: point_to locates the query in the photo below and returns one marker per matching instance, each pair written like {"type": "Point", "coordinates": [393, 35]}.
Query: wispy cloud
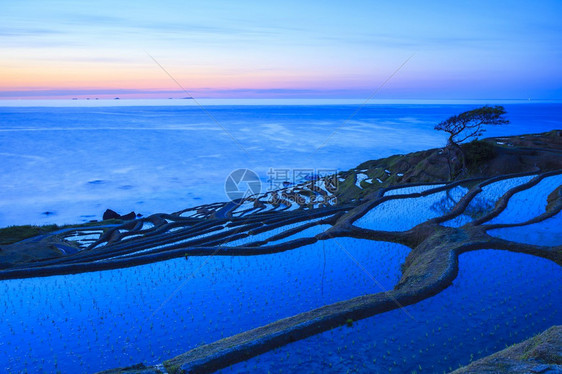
{"type": "Point", "coordinates": [27, 31]}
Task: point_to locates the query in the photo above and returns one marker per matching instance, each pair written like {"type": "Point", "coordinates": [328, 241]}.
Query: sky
{"type": "Point", "coordinates": [282, 49]}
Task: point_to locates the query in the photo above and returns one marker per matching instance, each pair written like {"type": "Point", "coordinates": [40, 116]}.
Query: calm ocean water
{"type": "Point", "coordinates": [68, 164]}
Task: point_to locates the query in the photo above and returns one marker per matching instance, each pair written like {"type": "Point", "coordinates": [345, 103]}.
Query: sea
{"type": "Point", "coordinates": [67, 161]}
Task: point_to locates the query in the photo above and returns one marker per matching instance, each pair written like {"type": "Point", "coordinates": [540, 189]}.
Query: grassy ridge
{"type": "Point", "coordinates": [13, 234]}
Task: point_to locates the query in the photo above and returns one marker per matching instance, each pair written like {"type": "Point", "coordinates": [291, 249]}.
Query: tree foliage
{"type": "Point", "coordinates": [469, 125]}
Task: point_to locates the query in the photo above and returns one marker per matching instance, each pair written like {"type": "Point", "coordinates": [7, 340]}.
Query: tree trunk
{"type": "Point", "coordinates": [449, 162]}
{"type": "Point", "coordinates": [452, 144]}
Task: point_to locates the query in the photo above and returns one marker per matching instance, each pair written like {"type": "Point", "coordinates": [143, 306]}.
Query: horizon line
{"type": "Point", "coordinates": [124, 102]}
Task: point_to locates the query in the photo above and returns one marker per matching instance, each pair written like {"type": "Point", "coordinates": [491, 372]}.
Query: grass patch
{"type": "Point", "coordinates": [13, 234]}
{"type": "Point", "coordinates": [478, 153]}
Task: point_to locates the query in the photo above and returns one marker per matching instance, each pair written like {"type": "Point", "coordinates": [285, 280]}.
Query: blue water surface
{"type": "Point", "coordinates": [94, 321]}
{"type": "Point", "coordinates": [547, 232]}
{"type": "Point", "coordinates": [499, 298]}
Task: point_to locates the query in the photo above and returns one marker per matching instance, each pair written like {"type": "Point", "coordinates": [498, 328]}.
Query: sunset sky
{"type": "Point", "coordinates": [288, 49]}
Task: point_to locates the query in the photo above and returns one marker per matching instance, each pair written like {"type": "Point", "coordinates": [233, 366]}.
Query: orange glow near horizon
{"type": "Point", "coordinates": [91, 76]}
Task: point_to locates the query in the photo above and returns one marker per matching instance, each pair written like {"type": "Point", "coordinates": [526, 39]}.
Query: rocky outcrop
{"type": "Point", "coordinates": [111, 214]}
